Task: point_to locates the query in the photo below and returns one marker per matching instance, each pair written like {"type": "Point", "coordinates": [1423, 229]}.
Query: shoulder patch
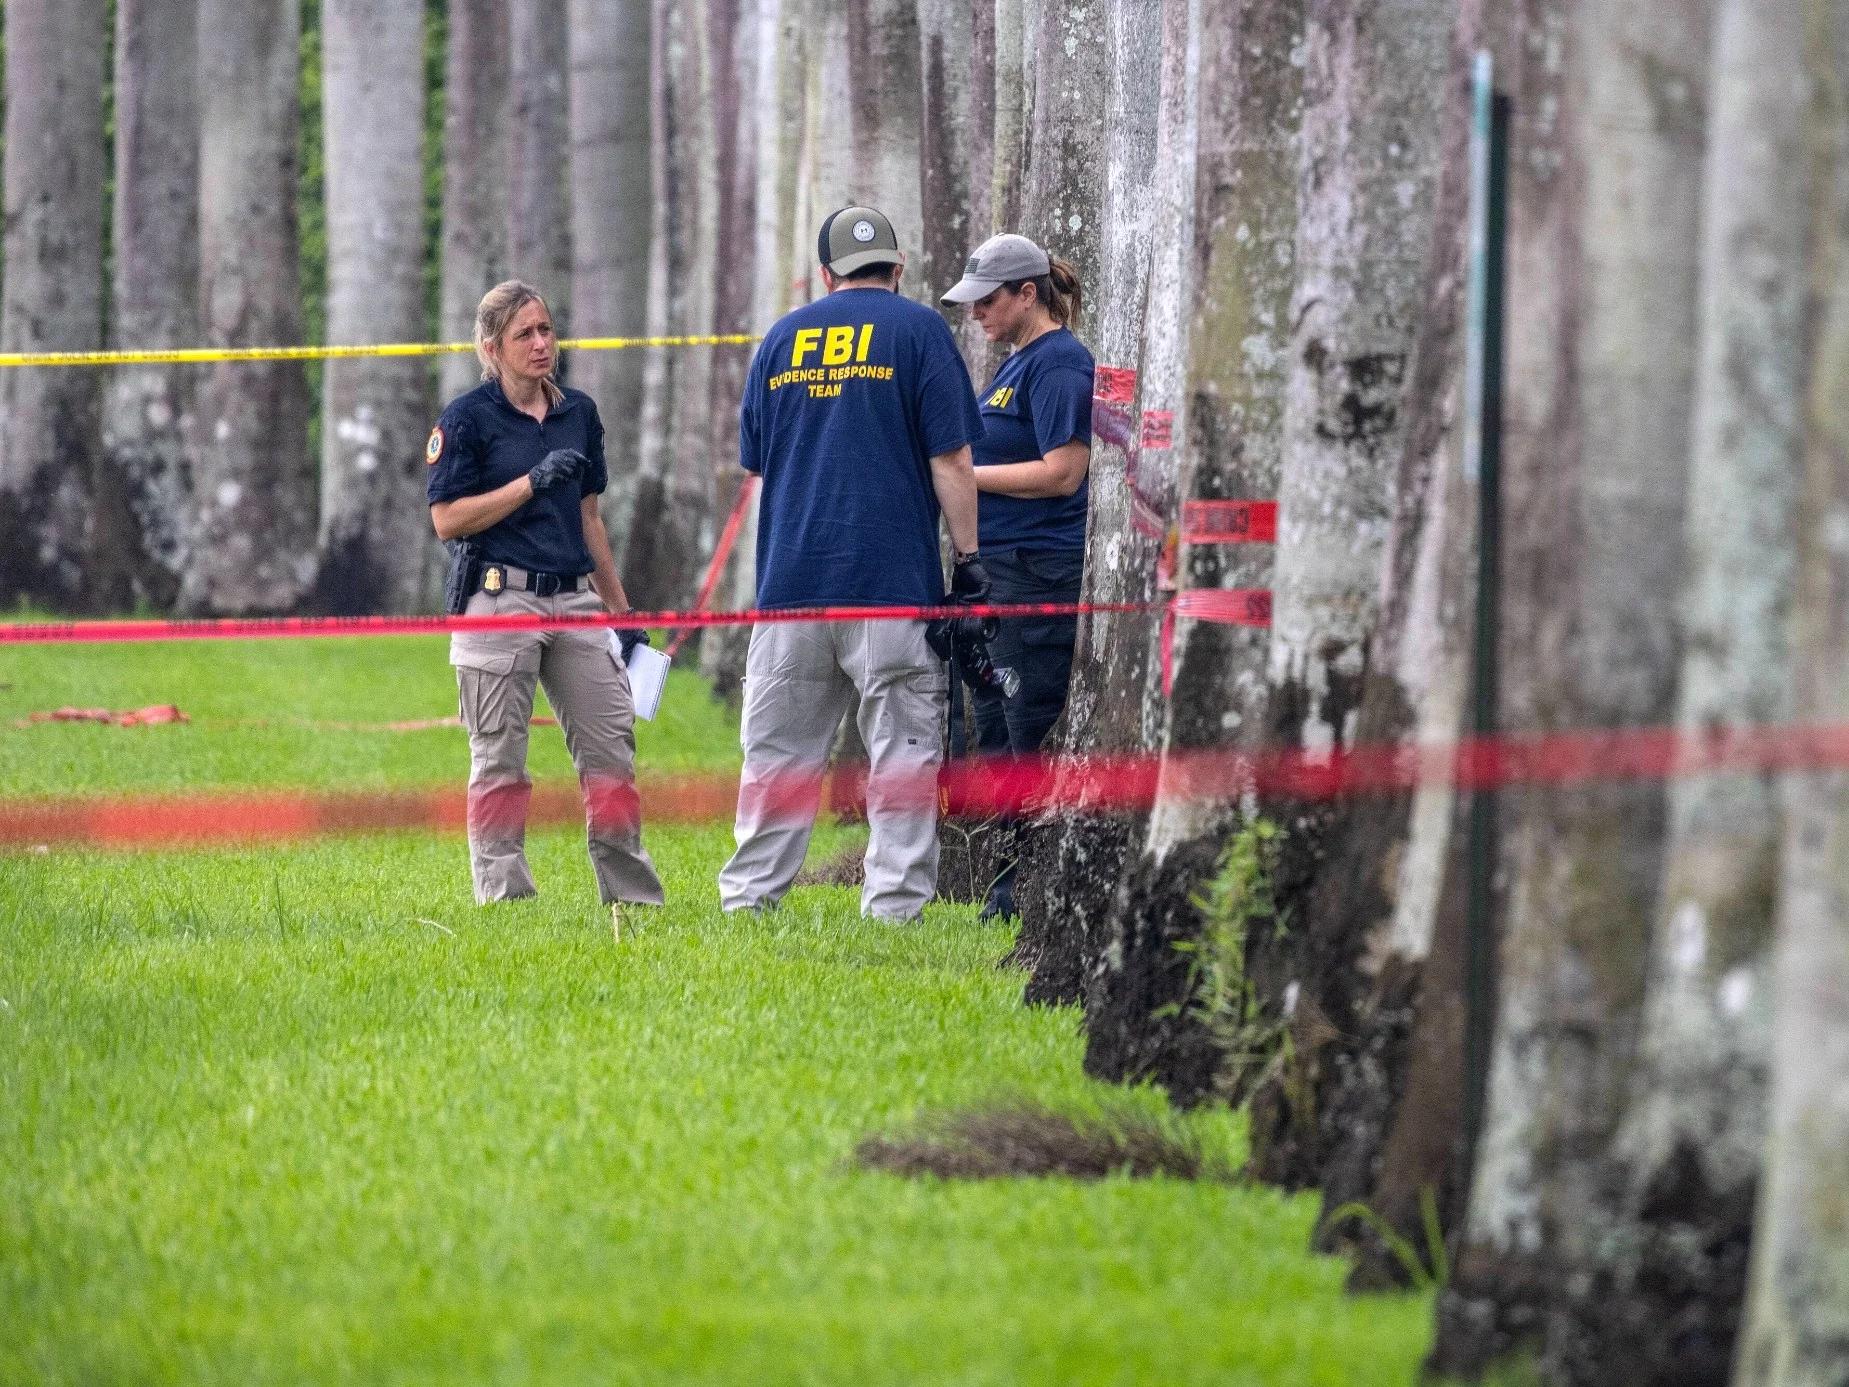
{"type": "Point", "coordinates": [434, 448]}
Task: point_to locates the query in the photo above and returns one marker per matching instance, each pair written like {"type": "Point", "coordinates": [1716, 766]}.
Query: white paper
{"type": "Point", "coordinates": [648, 676]}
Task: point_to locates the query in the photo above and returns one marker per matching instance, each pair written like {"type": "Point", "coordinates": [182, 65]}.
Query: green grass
{"type": "Point", "coordinates": [309, 1115]}
{"type": "Point", "coordinates": [225, 686]}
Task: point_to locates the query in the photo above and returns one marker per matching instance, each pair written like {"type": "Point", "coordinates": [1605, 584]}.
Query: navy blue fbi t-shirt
{"type": "Point", "coordinates": [1039, 400]}
{"type": "Point", "coordinates": [482, 442]}
{"type": "Point", "coordinates": [848, 401]}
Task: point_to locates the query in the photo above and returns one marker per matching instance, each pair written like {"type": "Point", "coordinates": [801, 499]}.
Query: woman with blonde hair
{"type": "Point", "coordinates": [516, 467]}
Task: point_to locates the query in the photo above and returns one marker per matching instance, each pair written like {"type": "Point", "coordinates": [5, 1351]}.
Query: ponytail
{"type": "Point", "coordinates": [1059, 290]}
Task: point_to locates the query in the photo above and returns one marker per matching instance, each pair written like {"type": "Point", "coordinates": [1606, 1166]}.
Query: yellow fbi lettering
{"type": "Point", "coordinates": [838, 345]}
{"type": "Point", "coordinates": [1001, 398]}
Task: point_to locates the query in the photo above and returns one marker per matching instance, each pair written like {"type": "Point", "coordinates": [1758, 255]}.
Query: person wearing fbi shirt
{"type": "Point", "coordinates": [516, 466]}
{"type": "Point", "coordinates": [1031, 468]}
{"type": "Point", "coordinates": [858, 415]}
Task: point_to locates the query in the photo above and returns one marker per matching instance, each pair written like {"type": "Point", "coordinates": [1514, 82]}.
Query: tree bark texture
{"type": "Point", "coordinates": [538, 204]}
{"type": "Point", "coordinates": [1604, 202]}
{"type": "Point", "coordinates": [951, 137]}
{"type": "Point", "coordinates": [1797, 1323]}
{"type": "Point", "coordinates": [1072, 855]}
{"type": "Point", "coordinates": [1369, 153]}
{"type": "Point", "coordinates": [50, 418]}
{"type": "Point", "coordinates": [475, 173]}
{"type": "Point", "coordinates": [143, 504]}
{"type": "Point", "coordinates": [1388, 1119]}
{"type": "Point", "coordinates": [672, 524]}
{"type": "Point", "coordinates": [255, 481]}
{"type": "Point", "coordinates": [1686, 1161]}
{"type": "Point", "coordinates": [887, 119]}
{"type": "Point", "coordinates": [1246, 210]}
{"type": "Point", "coordinates": [723, 649]}
{"type": "Point", "coordinates": [610, 228]}
{"type": "Point", "coordinates": [375, 413]}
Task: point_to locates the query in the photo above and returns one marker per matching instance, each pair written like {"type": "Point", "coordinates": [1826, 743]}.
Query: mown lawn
{"type": "Point", "coordinates": [308, 1115]}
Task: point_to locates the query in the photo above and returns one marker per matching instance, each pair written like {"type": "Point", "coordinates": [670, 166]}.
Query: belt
{"type": "Point", "coordinates": [497, 576]}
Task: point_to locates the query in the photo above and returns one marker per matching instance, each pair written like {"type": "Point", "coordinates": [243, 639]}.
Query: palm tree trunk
{"type": "Point", "coordinates": [475, 172]}
{"type": "Point", "coordinates": [375, 413]}
{"type": "Point", "coordinates": [1685, 1163]}
{"type": "Point", "coordinates": [1373, 97]}
{"type": "Point", "coordinates": [1071, 857]}
{"type": "Point", "coordinates": [50, 421]}
{"type": "Point", "coordinates": [147, 410]}
{"type": "Point", "coordinates": [1604, 202]}
{"type": "Point", "coordinates": [539, 153]}
{"type": "Point", "coordinates": [255, 479]}
{"type": "Point", "coordinates": [1797, 1332]}
{"type": "Point", "coordinates": [1390, 891]}
{"type": "Point", "coordinates": [1246, 216]}
{"type": "Point", "coordinates": [610, 228]}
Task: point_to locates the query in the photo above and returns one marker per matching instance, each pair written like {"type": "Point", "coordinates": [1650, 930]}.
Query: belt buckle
{"type": "Point", "coordinates": [494, 578]}
{"type": "Point", "coordinates": [546, 584]}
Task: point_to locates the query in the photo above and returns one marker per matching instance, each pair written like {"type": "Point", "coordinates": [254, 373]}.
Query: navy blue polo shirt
{"type": "Point", "coordinates": [1039, 400]}
{"type": "Point", "coordinates": [482, 442]}
{"type": "Point", "coordinates": [848, 400]}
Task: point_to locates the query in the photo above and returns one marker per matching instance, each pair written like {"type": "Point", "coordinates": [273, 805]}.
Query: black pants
{"type": "Point", "coordinates": [1039, 649]}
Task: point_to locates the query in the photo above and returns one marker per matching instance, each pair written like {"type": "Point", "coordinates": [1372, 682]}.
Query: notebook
{"type": "Point", "coordinates": [648, 676]}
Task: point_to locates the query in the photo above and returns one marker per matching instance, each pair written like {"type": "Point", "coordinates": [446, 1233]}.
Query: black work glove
{"type": "Point", "coordinates": [558, 467]}
{"type": "Point", "coordinates": [629, 637]}
{"type": "Point", "coordinates": [969, 583]}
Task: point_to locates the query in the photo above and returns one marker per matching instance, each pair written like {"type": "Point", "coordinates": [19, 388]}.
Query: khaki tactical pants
{"type": "Point", "coordinates": [495, 674]}
{"type": "Point", "coordinates": [799, 679]}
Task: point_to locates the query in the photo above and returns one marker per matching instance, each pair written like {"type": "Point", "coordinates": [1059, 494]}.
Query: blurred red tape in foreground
{"type": "Point", "coordinates": [1097, 785]}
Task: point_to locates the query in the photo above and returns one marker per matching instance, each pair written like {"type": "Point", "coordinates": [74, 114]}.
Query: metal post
{"type": "Point", "coordinates": [1489, 191]}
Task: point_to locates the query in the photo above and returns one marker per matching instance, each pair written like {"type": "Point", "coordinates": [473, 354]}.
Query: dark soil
{"type": "Point", "coordinates": [1141, 974]}
{"type": "Point", "coordinates": [1070, 866]}
{"type": "Point", "coordinates": [1016, 1137]}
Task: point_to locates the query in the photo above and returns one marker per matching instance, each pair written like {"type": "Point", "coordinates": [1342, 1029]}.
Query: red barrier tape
{"type": "Point", "coordinates": [268, 628]}
{"type": "Point", "coordinates": [1222, 606]}
{"type": "Point", "coordinates": [1098, 785]}
{"type": "Point", "coordinates": [1229, 522]}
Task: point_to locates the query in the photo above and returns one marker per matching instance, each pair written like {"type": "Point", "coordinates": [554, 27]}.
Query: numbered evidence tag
{"type": "Point", "coordinates": [648, 676]}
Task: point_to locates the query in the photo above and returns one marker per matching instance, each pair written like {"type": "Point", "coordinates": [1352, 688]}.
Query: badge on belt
{"type": "Point", "coordinates": [493, 579]}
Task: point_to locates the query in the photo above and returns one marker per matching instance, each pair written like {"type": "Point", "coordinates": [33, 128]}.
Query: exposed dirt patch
{"type": "Point", "coordinates": [1018, 1137]}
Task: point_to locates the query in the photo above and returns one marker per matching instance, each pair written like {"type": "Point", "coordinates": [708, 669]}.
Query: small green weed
{"type": "Point", "coordinates": [1422, 1274]}
{"type": "Point", "coordinates": [1221, 997]}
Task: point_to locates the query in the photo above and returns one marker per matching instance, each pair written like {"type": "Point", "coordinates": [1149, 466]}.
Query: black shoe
{"type": "Point", "coordinates": [1000, 902]}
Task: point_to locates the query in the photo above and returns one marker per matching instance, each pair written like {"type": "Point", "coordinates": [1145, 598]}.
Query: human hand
{"type": "Point", "coordinates": [558, 467]}
{"type": "Point", "coordinates": [969, 582]}
{"type": "Point", "coordinates": [629, 637]}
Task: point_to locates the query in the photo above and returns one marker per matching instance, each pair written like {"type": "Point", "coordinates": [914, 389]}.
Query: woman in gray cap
{"type": "Point", "coordinates": [1031, 477]}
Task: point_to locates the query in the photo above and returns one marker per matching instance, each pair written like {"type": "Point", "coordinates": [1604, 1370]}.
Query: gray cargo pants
{"type": "Point", "coordinates": [495, 675]}
{"type": "Point", "coordinates": [799, 680]}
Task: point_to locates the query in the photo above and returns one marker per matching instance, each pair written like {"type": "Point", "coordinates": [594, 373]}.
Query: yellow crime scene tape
{"type": "Point", "coordinates": [182, 356]}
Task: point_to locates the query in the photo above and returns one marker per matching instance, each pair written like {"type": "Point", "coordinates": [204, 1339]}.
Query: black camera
{"type": "Point", "coordinates": [963, 641]}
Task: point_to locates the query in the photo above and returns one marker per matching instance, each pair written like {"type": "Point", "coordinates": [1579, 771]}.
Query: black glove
{"type": "Point", "coordinates": [629, 637]}
{"type": "Point", "coordinates": [558, 467]}
{"type": "Point", "coordinates": [969, 582]}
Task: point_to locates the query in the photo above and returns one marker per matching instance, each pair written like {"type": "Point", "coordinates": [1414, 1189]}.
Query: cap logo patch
{"type": "Point", "coordinates": [974, 265]}
{"type": "Point", "coordinates": [434, 448]}
{"type": "Point", "coordinates": [863, 231]}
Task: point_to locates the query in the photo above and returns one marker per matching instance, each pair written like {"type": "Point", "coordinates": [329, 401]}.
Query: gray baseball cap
{"type": "Point", "coordinates": [856, 237]}
{"type": "Point", "coordinates": [999, 260]}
